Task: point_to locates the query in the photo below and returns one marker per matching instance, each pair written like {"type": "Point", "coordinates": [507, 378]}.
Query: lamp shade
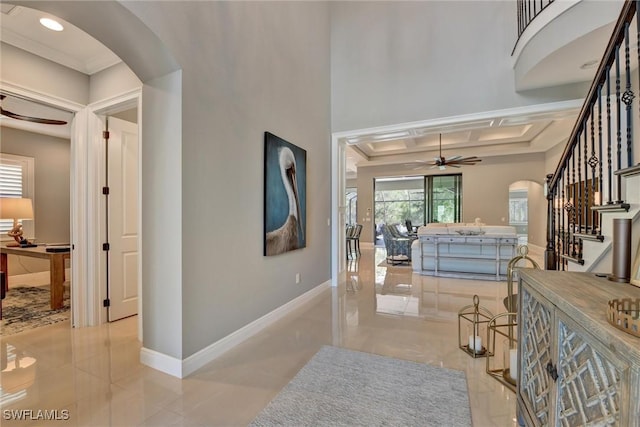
{"type": "Point", "coordinates": [13, 208]}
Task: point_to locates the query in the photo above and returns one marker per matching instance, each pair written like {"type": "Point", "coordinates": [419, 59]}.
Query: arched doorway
{"type": "Point", "coordinates": [161, 140]}
{"type": "Point", "coordinates": [527, 212]}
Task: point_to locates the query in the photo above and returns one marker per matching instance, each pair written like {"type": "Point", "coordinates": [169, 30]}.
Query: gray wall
{"type": "Point", "coordinates": [112, 81]}
{"type": "Point", "coordinates": [394, 62]}
{"type": "Point", "coordinates": [52, 189]}
{"type": "Point", "coordinates": [41, 75]}
{"type": "Point", "coordinates": [247, 68]}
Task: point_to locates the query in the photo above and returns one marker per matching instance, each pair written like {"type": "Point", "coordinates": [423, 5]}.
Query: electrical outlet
{"type": "Point", "coordinates": [297, 278]}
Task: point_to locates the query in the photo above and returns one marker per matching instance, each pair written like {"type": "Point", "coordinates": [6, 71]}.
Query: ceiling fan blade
{"type": "Point", "coordinates": [31, 119]}
{"type": "Point", "coordinates": [454, 158]}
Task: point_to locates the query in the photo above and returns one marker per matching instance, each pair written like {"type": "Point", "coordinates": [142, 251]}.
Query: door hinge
{"type": "Point", "coordinates": [105, 247]}
{"type": "Point", "coordinates": [105, 190]}
{"type": "Point", "coordinates": [106, 303]}
{"type": "Point", "coordinates": [105, 134]}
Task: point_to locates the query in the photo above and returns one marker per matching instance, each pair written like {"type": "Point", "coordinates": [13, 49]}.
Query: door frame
{"type": "Point", "coordinates": [87, 165]}
{"type": "Point", "coordinates": [78, 216]}
{"type": "Point", "coordinates": [96, 157]}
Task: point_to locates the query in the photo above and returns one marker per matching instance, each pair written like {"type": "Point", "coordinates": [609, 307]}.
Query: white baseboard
{"type": "Point", "coordinates": [161, 362]}
{"type": "Point", "coordinates": [182, 368]}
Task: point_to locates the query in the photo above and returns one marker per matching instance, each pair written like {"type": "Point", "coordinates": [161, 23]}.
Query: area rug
{"type": "Point", "coordinates": [27, 308]}
{"type": "Point", "coordinates": [340, 387]}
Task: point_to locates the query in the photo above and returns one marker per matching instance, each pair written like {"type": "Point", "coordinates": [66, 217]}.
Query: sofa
{"type": "Point", "coordinates": [464, 250]}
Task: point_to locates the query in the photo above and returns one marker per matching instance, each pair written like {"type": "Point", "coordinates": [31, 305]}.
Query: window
{"type": "Point", "coordinates": [445, 191]}
{"type": "Point", "coordinates": [399, 199]}
{"type": "Point", "coordinates": [16, 180]}
{"type": "Point", "coordinates": [420, 199]}
{"type": "Point", "coordinates": [352, 199]}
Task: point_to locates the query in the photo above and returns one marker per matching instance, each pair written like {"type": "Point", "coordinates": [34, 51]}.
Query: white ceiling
{"type": "Point", "coordinates": [498, 134]}
{"type": "Point", "coordinates": [72, 47]}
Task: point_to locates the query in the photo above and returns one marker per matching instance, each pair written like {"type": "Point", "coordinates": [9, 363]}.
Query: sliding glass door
{"type": "Point", "coordinates": [445, 192]}
{"type": "Point", "coordinates": [419, 199]}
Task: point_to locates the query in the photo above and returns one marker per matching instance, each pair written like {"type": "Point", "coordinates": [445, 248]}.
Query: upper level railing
{"type": "Point", "coordinates": [599, 151]}
{"type": "Point", "coordinates": [528, 10]}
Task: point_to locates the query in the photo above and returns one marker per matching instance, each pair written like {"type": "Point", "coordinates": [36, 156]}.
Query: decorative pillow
{"type": "Point", "coordinates": [470, 232]}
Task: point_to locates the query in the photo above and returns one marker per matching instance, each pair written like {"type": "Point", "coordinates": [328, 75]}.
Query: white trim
{"type": "Point", "coordinates": [81, 312]}
{"type": "Point", "coordinates": [124, 98]}
{"type": "Point", "coordinates": [161, 362]}
{"type": "Point", "coordinates": [337, 209]}
{"type": "Point", "coordinates": [94, 199]}
{"type": "Point", "coordinates": [215, 350]}
{"type": "Point", "coordinates": [485, 115]}
{"type": "Point", "coordinates": [52, 100]}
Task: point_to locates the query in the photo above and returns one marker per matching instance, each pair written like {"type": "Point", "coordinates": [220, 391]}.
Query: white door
{"type": "Point", "coordinates": [123, 218]}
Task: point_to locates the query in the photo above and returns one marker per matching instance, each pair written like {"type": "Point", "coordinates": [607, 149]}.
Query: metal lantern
{"type": "Point", "coordinates": [476, 319]}
{"type": "Point", "coordinates": [501, 334]}
{"type": "Point", "coordinates": [503, 346]}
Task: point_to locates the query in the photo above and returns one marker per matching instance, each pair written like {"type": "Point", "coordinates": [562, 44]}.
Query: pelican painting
{"type": "Point", "coordinates": [285, 196]}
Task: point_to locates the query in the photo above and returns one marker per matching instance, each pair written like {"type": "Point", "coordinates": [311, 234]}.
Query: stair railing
{"type": "Point", "coordinates": [587, 180]}
{"type": "Point", "coordinates": [528, 10]}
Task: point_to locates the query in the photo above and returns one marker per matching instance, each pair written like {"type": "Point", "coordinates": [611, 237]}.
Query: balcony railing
{"type": "Point", "coordinates": [528, 10]}
{"type": "Point", "coordinates": [587, 181]}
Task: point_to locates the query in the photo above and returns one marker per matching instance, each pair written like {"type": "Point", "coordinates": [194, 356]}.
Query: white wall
{"type": "Point", "coordinates": [396, 62]}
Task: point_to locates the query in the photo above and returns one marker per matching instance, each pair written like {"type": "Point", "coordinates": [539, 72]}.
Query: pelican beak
{"type": "Point", "coordinates": [291, 175]}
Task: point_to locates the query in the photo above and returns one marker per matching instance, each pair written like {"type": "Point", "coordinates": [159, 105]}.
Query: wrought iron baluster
{"type": "Point", "coordinates": [565, 218]}
{"type": "Point", "coordinates": [618, 129]}
{"type": "Point", "coordinates": [600, 145]}
{"type": "Point", "coordinates": [593, 162]}
{"type": "Point", "coordinates": [572, 203]}
{"type": "Point", "coordinates": [628, 95]}
{"type": "Point", "coordinates": [558, 227]}
{"type": "Point", "coordinates": [609, 162]}
{"type": "Point", "coordinates": [580, 197]}
{"type": "Point", "coordinates": [583, 184]}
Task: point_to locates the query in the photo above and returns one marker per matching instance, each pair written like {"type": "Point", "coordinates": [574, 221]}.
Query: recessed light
{"type": "Point", "coordinates": [589, 64]}
{"type": "Point", "coordinates": [51, 24]}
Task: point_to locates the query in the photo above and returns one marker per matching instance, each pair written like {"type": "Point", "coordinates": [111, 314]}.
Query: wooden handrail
{"type": "Point", "coordinates": [617, 37]}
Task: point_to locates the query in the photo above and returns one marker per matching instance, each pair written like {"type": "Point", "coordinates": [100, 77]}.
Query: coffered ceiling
{"type": "Point", "coordinates": [506, 133]}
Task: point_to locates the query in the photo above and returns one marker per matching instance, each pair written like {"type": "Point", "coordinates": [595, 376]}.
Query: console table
{"type": "Point", "coordinates": [575, 367]}
{"type": "Point", "coordinates": [472, 257]}
{"type": "Point", "coordinates": [56, 268]}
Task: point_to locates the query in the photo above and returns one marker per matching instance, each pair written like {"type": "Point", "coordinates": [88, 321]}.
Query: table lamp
{"type": "Point", "coordinates": [16, 209]}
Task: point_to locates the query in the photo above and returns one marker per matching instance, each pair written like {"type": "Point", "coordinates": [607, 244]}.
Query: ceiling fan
{"type": "Point", "coordinates": [12, 115]}
{"type": "Point", "coordinates": [441, 162]}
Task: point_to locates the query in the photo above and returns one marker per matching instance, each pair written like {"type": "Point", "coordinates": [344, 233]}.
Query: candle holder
{"type": "Point", "coordinates": [476, 319]}
{"type": "Point", "coordinates": [504, 369]}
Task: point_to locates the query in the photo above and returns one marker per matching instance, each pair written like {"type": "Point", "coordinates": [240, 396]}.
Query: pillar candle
{"type": "Point", "coordinates": [477, 346]}
{"type": "Point", "coordinates": [513, 364]}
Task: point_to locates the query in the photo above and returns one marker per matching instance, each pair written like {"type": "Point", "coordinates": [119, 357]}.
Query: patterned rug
{"type": "Point", "coordinates": [27, 308]}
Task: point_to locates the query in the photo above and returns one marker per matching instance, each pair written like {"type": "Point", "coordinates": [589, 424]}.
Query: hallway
{"type": "Point", "coordinates": [95, 374]}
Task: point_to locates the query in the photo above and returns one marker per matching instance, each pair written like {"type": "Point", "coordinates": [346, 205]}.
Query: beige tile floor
{"type": "Point", "coordinates": [95, 376]}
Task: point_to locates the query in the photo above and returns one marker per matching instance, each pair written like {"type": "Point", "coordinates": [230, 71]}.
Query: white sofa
{"type": "Point", "coordinates": [468, 250]}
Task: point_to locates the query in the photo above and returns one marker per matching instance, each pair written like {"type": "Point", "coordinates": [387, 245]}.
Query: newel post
{"type": "Point", "coordinates": [550, 251]}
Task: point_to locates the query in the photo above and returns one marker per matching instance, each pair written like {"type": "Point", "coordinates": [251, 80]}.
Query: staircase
{"type": "Point", "coordinates": [598, 177]}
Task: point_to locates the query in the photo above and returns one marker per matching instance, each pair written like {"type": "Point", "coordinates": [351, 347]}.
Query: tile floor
{"type": "Point", "coordinates": [93, 375]}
